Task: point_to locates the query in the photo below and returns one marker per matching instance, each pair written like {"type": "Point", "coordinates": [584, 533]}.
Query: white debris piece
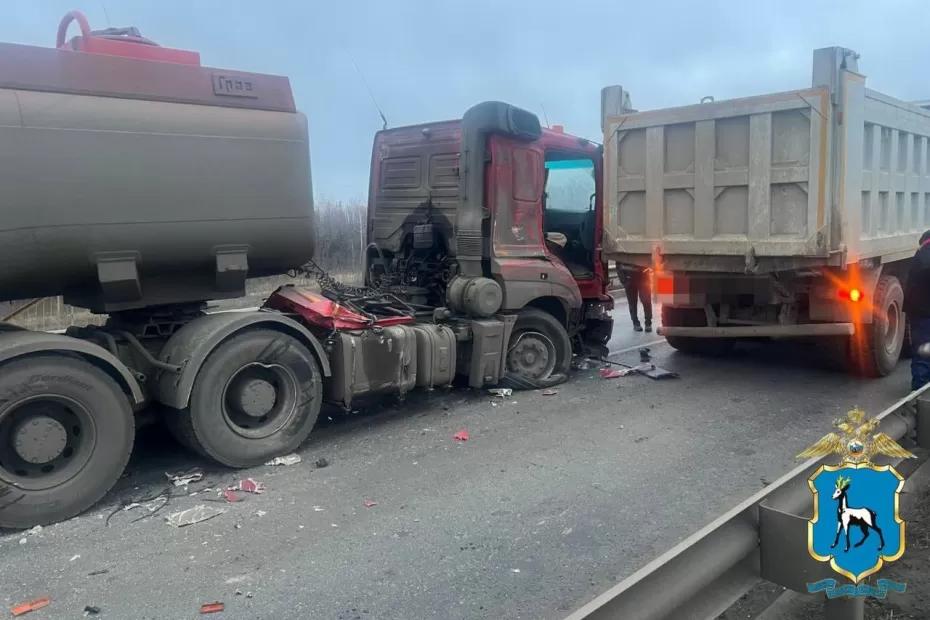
{"type": "Point", "coordinates": [197, 514]}
{"type": "Point", "coordinates": [290, 459]}
{"type": "Point", "coordinates": [502, 392]}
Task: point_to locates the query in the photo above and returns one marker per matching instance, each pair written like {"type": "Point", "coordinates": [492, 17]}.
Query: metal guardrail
{"type": "Point", "coordinates": [762, 538]}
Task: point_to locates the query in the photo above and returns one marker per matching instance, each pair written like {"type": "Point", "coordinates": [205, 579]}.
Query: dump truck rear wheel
{"type": "Point", "coordinates": [66, 432]}
{"type": "Point", "coordinates": [877, 354]}
{"type": "Point", "coordinates": [256, 396]}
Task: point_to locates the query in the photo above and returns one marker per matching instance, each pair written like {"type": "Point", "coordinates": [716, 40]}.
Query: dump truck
{"type": "Point", "coordinates": [140, 185]}
{"type": "Point", "coordinates": [785, 215]}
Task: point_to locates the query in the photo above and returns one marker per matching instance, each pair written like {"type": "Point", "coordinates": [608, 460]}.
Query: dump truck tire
{"type": "Point", "coordinates": [877, 354]}
{"type": "Point", "coordinates": [66, 432]}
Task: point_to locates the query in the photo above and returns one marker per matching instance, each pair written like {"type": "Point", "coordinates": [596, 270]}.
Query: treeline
{"type": "Point", "coordinates": [340, 238]}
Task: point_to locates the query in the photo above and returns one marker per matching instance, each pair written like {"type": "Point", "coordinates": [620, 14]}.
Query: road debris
{"type": "Point", "coordinates": [287, 460]}
{"type": "Point", "coordinates": [610, 373]}
{"type": "Point", "coordinates": [248, 485]}
{"type": "Point", "coordinates": [260, 513]}
{"type": "Point", "coordinates": [514, 570]}
{"type": "Point", "coordinates": [549, 392]}
{"type": "Point", "coordinates": [321, 463]}
{"type": "Point", "coordinates": [29, 606]}
{"type": "Point", "coordinates": [75, 557]}
{"type": "Point", "coordinates": [369, 503]}
{"type": "Point", "coordinates": [502, 392]}
{"type": "Point", "coordinates": [185, 478]}
{"type": "Point", "coordinates": [91, 610]}
{"type": "Point", "coordinates": [23, 541]}
{"type": "Point", "coordinates": [197, 514]}
{"type": "Point", "coordinates": [212, 608]}
{"type": "Point", "coordinates": [230, 496]}
{"type": "Point", "coordinates": [36, 530]}
{"type": "Point", "coordinates": [102, 571]}
{"type": "Point", "coordinates": [318, 509]}
{"type": "Point", "coordinates": [462, 435]}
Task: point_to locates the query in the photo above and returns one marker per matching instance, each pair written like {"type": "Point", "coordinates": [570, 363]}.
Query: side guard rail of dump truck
{"type": "Point", "coordinates": [764, 538]}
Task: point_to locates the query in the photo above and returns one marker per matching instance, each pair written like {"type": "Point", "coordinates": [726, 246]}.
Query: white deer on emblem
{"type": "Point", "coordinates": [863, 518]}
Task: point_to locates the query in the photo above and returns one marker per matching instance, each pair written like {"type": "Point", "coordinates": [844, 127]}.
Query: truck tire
{"type": "Point", "coordinates": [693, 317]}
{"type": "Point", "coordinates": [877, 354]}
{"type": "Point", "coordinates": [66, 432]}
{"type": "Point", "coordinates": [539, 352]}
{"type": "Point", "coordinates": [257, 396]}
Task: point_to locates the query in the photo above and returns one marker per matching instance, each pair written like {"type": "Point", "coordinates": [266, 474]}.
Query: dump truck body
{"type": "Point", "coordinates": [790, 214]}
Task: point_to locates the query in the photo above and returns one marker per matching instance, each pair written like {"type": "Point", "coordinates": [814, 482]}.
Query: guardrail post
{"type": "Point", "coordinates": [923, 422]}
{"type": "Point", "coordinates": [844, 608]}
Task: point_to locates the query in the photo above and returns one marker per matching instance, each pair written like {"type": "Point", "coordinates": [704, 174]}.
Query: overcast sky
{"type": "Point", "coordinates": [432, 59]}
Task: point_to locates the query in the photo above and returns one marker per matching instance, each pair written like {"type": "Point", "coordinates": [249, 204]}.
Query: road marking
{"type": "Point", "coordinates": [637, 346]}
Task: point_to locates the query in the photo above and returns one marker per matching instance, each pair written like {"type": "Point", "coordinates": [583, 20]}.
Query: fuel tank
{"type": "Point", "coordinates": [128, 182]}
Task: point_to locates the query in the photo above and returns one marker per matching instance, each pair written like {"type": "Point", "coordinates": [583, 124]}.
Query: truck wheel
{"type": "Point", "coordinates": [878, 354]}
{"type": "Point", "coordinates": [693, 317]}
{"type": "Point", "coordinates": [539, 352]}
{"type": "Point", "coordinates": [256, 396]}
{"type": "Point", "coordinates": [66, 432]}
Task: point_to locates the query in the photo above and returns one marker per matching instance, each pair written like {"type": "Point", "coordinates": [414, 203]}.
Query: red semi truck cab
{"type": "Point", "coordinates": [540, 219]}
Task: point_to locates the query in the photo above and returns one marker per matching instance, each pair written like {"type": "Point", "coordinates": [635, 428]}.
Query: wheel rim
{"type": "Point", "coordinates": [892, 327]}
{"type": "Point", "coordinates": [45, 440]}
{"type": "Point", "coordinates": [260, 399]}
{"type": "Point", "coordinates": [533, 355]}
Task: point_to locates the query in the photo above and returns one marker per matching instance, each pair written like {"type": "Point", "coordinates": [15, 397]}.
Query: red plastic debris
{"type": "Point", "coordinates": [610, 373]}
{"type": "Point", "coordinates": [230, 496]}
{"type": "Point", "coordinates": [212, 608]}
{"type": "Point", "coordinates": [248, 485]}
{"type": "Point", "coordinates": [369, 503]}
{"type": "Point", "coordinates": [28, 606]}
{"type": "Point", "coordinates": [462, 435]}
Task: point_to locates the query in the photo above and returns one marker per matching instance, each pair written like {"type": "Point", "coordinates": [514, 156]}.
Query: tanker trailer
{"type": "Point", "coordinates": [138, 184]}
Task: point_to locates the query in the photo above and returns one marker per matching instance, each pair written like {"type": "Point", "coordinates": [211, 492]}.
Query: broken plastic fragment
{"type": "Point", "coordinates": [185, 478]}
{"type": "Point", "coordinates": [321, 462]}
{"type": "Point", "coordinates": [549, 392]}
{"type": "Point", "coordinates": [462, 435]}
{"type": "Point", "coordinates": [212, 608]}
{"type": "Point", "coordinates": [28, 606]}
{"type": "Point", "coordinates": [248, 485]}
{"type": "Point", "coordinates": [369, 503]}
{"type": "Point", "coordinates": [197, 514]}
{"type": "Point", "coordinates": [289, 459]}
{"type": "Point", "coordinates": [230, 496]}
{"type": "Point", "coordinates": [611, 373]}
{"type": "Point", "coordinates": [502, 392]}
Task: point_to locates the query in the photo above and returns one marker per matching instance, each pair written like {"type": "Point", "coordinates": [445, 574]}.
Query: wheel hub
{"type": "Point", "coordinates": [256, 397]}
{"type": "Point", "coordinates": [40, 439]}
{"type": "Point", "coordinates": [532, 356]}
{"type": "Point", "coordinates": [259, 399]}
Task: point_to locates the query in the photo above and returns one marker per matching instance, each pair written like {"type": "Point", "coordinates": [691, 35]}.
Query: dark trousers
{"type": "Point", "coordinates": [637, 285]}
{"type": "Point", "coordinates": [920, 366]}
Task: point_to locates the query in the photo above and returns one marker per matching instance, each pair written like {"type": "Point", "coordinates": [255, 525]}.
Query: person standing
{"type": "Point", "coordinates": [635, 281]}
{"type": "Point", "coordinates": [917, 309]}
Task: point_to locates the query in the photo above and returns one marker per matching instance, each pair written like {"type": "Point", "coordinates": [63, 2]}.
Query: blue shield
{"type": "Point", "coordinates": [858, 503]}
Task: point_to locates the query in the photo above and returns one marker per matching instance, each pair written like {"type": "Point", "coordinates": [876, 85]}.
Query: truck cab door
{"type": "Point", "coordinates": [520, 260]}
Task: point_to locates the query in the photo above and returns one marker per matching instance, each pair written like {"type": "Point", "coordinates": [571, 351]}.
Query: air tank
{"type": "Point", "coordinates": [127, 182]}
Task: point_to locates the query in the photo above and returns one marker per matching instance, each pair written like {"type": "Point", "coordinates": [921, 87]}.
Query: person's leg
{"type": "Point", "coordinates": [645, 295]}
{"type": "Point", "coordinates": [920, 366]}
{"type": "Point", "coordinates": [630, 287]}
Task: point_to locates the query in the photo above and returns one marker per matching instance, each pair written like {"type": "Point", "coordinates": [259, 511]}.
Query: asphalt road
{"type": "Point", "coordinates": [550, 501]}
